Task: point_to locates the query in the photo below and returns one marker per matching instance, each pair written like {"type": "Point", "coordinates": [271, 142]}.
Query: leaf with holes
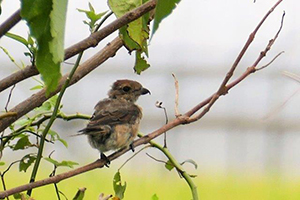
{"type": "Point", "coordinates": [22, 143]}
{"type": "Point", "coordinates": [118, 187]}
{"type": "Point", "coordinates": [26, 161]}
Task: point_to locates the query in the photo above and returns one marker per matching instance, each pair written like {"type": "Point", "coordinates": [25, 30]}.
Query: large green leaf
{"type": "Point", "coordinates": [136, 34]}
{"type": "Point", "coordinates": [162, 10]}
{"type": "Point", "coordinates": [46, 20]}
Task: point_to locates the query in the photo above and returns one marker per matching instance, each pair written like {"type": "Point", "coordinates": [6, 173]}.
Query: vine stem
{"type": "Point", "coordinates": [178, 167]}
{"type": "Point", "coordinates": [51, 121]}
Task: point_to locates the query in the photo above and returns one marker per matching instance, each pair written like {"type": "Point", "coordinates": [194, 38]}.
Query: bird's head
{"type": "Point", "coordinates": [127, 89]}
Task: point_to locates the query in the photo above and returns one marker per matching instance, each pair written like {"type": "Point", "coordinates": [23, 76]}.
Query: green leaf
{"type": "Point", "coordinates": [46, 106]}
{"type": "Point", "coordinates": [63, 142]}
{"type": "Point", "coordinates": [129, 43]}
{"type": "Point", "coordinates": [17, 38]}
{"type": "Point", "coordinates": [169, 165]}
{"type": "Point", "coordinates": [154, 197]}
{"type": "Point", "coordinates": [190, 161]}
{"type": "Point", "coordinates": [55, 136]}
{"type": "Point", "coordinates": [46, 20]}
{"type": "Point", "coordinates": [2, 163]}
{"type": "Point", "coordinates": [26, 161]}
{"type": "Point", "coordinates": [17, 196]}
{"type": "Point", "coordinates": [64, 163]}
{"type": "Point", "coordinates": [118, 187]}
{"type": "Point", "coordinates": [22, 196]}
{"type": "Point", "coordinates": [8, 54]}
{"type": "Point", "coordinates": [140, 63]}
{"type": "Point", "coordinates": [138, 30]}
{"type": "Point", "coordinates": [22, 122]}
{"type": "Point", "coordinates": [37, 87]}
{"type": "Point", "coordinates": [162, 10]}
{"type": "Point", "coordinates": [22, 143]}
{"type": "Point", "coordinates": [80, 194]}
{"type": "Point", "coordinates": [136, 34]}
{"type": "Point", "coordinates": [53, 100]}
{"type": "Point", "coordinates": [92, 16]}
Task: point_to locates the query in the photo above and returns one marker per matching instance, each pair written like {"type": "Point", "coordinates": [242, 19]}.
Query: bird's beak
{"type": "Point", "coordinates": [145, 91]}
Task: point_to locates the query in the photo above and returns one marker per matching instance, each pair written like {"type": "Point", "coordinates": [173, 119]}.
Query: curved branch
{"type": "Point", "coordinates": [85, 68]}
{"type": "Point", "coordinates": [10, 22]}
{"type": "Point", "coordinates": [90, 41]}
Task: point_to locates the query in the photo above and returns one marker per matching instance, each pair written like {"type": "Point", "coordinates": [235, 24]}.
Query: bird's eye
{"type": "Point", "coordinates": [126, 88]}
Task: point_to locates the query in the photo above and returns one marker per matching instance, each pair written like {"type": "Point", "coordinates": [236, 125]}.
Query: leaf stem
{"type": "Point", "coordinates": [51, 121]}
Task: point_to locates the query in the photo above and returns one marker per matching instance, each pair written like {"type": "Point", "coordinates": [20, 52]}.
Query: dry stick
{"type": "Point", "coordinates": [222, 89]}
{"type": "Point", "coordinates": [90, 41]}
{"type": "Point", "coordinates": [269, 63]}
{"type": "Point", "coordinates": [85, 68]}
{"type": "Point", "coordinates": [9, 23]}
{"type": "Point", "coordinates": [177, 113]}
{"type": "Point", "coordinates": [9, 97]}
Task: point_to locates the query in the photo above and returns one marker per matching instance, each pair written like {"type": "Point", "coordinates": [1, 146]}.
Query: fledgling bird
{"type": "Point", "coordinates": [115, 122]}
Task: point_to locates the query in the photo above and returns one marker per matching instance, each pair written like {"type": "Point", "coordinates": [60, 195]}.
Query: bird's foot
{"type": "Point", "coordinates": [131, 147]}
{"type": "Point", "coordinates": [107, 161]}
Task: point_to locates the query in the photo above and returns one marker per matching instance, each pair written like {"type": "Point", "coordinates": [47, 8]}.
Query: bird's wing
{"type": "Point", "coordinates": [111, 112]}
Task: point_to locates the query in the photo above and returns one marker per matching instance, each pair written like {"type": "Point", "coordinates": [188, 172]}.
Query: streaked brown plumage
{"type": "Point", "coordinates": [116, 119]}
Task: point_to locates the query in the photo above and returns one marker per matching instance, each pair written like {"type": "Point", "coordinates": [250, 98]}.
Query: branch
{"type": "Point", "coordinates": [85, 68]}
{"type": "Point", "coordinates": [222, 89]}
{"type": "Point", "coordinates": [9, 23]}
{"type": "Point", "coordinates": [90, 41]}
{"type": "Point", "coordinates": [249, 71]}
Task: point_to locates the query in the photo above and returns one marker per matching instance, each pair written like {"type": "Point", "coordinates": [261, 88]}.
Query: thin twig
{"type": "Point", "coordinates": [179, 169]}
{"type": "Point", "coordinates": [145, 147]}
{"type": "Point", "coordinates": [157, 160]}
{"type": "Point", "coordinates": [223, 89]}
{"type": "Point", "coordinates": [103, 20]}
{"type": "Point", "coordinates": [158, 104]}
{"type": "Point", "coordinates": [177, 113]}
{"type": "Point", "coordinates": [9, 97]}
{"type": "Point", "coordinates": [4, 172]}
{"type": "Point", "coordinates": [269, 63]}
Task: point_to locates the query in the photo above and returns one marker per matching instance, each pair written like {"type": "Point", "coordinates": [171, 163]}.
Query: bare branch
{"type": "Point", "coordinates": [269, 63]}
{"type": "Point", "coordinates": [9, 23]}
{"type": "Point", "coordinates": [223, 89]}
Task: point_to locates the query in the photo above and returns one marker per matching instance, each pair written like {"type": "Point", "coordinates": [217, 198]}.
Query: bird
{"type": "Point", "coordinates": [116, 119]}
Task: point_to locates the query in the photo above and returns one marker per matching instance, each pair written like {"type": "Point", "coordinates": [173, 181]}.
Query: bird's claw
{"type": "Point", "coordinates": [131, 147]}
{"type": "Point", "coordinates": [105, 158]}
